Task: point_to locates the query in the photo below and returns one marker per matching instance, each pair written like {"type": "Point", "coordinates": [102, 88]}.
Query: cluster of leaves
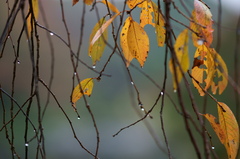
{"type": "Point", "coordinates": [208, 70]}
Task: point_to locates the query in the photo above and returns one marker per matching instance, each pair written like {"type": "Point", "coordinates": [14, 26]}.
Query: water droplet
{"type": "Point", "coordinates": [142, 109]}
{"type": "Point", "coordinates": [132, 83]}
{"type": "Point", "coordinates": [51, 34]}
{"type": "Point", "coordinates": [18, 62]}
{"type": "Point", "coordinates": [26, 144]}
{"type": "Point", "coordinates": [8, 36]}
{"type": "Point", "coordinates": [78, 118]}
{"type": "Point", "coordinates": [200, 42]}
{"type": "Point", "coordinates": [161, 93]}
{"type": "Point", "coordinates": [75, 73]}
{"type": "Point", "coordinates": [213, 147]}
{"type": "Point", "coordinates": [175, 91]}
{"type": "Point", "coordinates": [94, 66]}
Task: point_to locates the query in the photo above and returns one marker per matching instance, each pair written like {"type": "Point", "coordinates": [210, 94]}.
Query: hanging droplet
{"type": "Point", "coordinates": [213, 147]}
{"type": "Point", "coordinates": [8, 36]}
{"type": "Point", "coordinates": [51, 34]}
{"type": "Point", "coordinates": [142, 109]}
{"type": "Point", "coordinates": [175, 91]}
{"type": "Point", "coordinates": [18, 62]}
{"type": "Point", "coordinates": [26, 144]}
{"type": "Point", "coordinates": [132, 83]}
{"type": "Point", "coordinates": [94, 66]}
{"type": "Point", "coordinates": [75, 73]}
{"type": "Point", "coordinates": [200, 42]}
{"type": "Point", "coordinates": [78, 117]}
{"type": "Point", "coordinates": [161, 93]}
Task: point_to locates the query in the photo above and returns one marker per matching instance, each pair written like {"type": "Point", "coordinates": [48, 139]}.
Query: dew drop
{"type": "Point", "coordinates": [161, 93]}
{"type": "Point", "coordinates": [142, 109]}
{"type": "Point", "coordinates": [75, 73]}
{"type": "Point", "coordinates": [8, 36]}
{"type": "Point", "coordinates": [200, 42]}
{"type": "Point", "coordinates": [78, 118]}
{"type": "Point", "coordinates": [175, 91]}
{"type": "Point", "coordinates": [51, 34]}
{"type": "Point", "coordinates": [132, 83]}
{"type": "Point", "coordinates": [18, 62]}
{"type": "Point", "coordinates": [213, 147]}
{"type": "Point", "coordinates": [94, 66]}
{"type": "Point", "coordinates": [26, 144]}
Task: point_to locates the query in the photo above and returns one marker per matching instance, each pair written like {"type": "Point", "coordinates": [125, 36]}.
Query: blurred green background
{"type": "Point", "coordinates": [114, 100]}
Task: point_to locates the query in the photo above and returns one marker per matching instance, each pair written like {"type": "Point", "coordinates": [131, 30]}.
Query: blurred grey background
{"type": "Point", "coordinates": [114, 100]}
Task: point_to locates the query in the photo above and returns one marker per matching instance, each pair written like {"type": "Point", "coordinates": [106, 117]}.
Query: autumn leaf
{"type": "Point", "coordinates": [85, 87]}
{"type": "Point", "coordinates": [95, 51]}
{"type": "Point", "coordinates": [159, 25]}
{"type": "Point", "coordinates": [181, 50]}
{"type": "Point", "coordinates": [146, 14]}
{"type": "Point", "coordinates": [209, 69]}
{"type": "Point", "coordinates": [202, 24]}
{"type": "Point", "coordinates": [227, 129]}
{"type": "Point", "coordinates": [134, 42]}
{"type": "Point", "coordinates": [74, 2]}
{"type": "Point", "coordinates": [88, 2]}
{"type": "Point", "coordinates": [112, 7]}
{"type": "Point", "coordinates": [101, 30]}
{"type": "Point", "coordinates": [35, 12]}
{"type": "Point", "coordinates": [132, 3]}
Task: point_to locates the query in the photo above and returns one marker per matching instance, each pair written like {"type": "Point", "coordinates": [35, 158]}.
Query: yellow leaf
{"type": "Point", "coordinates": [95, 51]}
{"type": "Point", "coordinates": [227, 129]}
{"type": "Point", "coordinates": [88, 2]}
{"type": "Point", "coordinates": [181, 50]}
{"type": "Point", "coordinates": [202, 24]}
{"type": "Point", "coordinates": [134, 41]}
{"type": "Point", "coordinates": [132, 3]}
{"type": "Point", "coordinates": [112, 7]}
{"type": "Point", "coordinates": [35, 12]}
{"type": "Point", "coordinates": [159, 25]}
{"type": "Point", "coordinates": [146, 14]}
{"type": "Point", "coordinates": [85, 87]}
{"type": "Point", "coordinates": [221, 74]}
{"type": "Point", "coordinates": [210, 69]}
{"type": "Point", "coordinates": [102, 29]}
{"type": "Point", "coordinates": [124, 41]}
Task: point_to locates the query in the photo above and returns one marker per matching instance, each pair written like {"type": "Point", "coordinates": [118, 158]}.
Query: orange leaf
{"type": "Point", "coordinates": [227, 129]}
{"type": "Point", "coordinates": [74, 2]}
{"type": "Point", "coordinates": [146, 14]}
{"type": "Point", "coordinates": [181, 50]}
{"type": "Point", "coordinates": [134, 42]}
{"type": "Point", "coordinates": [84, 87]}
{"type": "Point", "coordinates": [202, 24]}
{"type": "Point", "coordinates": [210, 69]}
{"type": "Point", "coordinates": [112, 7]}
{"type": "Point", "coordinates": [88, 2]}
{"type": "Point", "coordinates": [95, 51]}
{"type": "Point", "coordinates": [102, 29]}
{"type": "Point", "coordinates": [35, 12]}
{"type": "Point", "coordinates": [159, 25]}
